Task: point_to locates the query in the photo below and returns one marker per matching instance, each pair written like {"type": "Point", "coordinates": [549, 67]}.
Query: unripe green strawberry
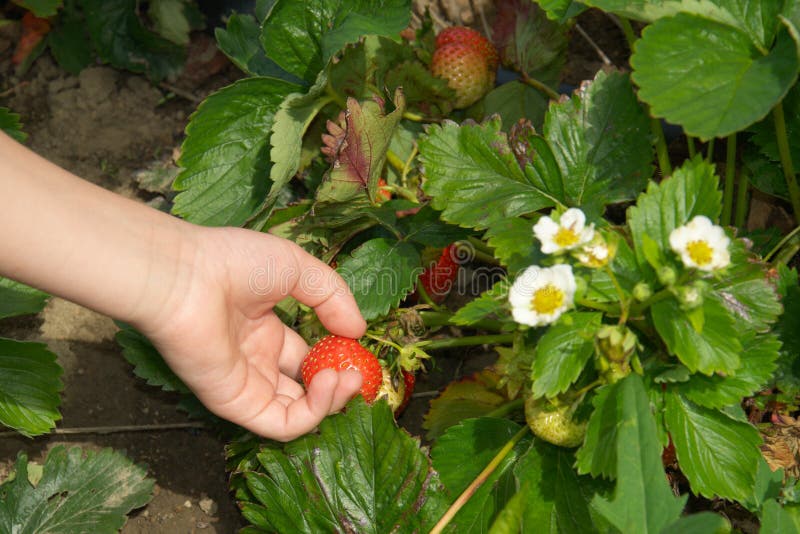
{"type": "Point", "coordinates": [553, 424]}
{"type": "Point", "coordinates": [466, 70]}
{"type": "Point", "coordinates": [472, 38]}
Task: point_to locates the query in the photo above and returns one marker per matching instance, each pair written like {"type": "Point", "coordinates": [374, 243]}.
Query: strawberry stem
{"type": "Point", "coordinates": [442, 318]}
{"type": "Point", "coordinates": [536, 84]}
{"type": "Point", "coordinates": [466, 341]}
{"type": "Point", "coordinates": [478, 482]}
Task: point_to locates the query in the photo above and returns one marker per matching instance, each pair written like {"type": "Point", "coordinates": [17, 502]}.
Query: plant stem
{"type": "Point", "coordinates": [536, 84]}
{"type": "Point", "coordinates": [742, 204]}
{"type": "Point", "coordinates": [623, 303]}
{"type": "Point", "coordinates": [442, 318]}
{"type": "Point", "coordinates": [782, 243]}
{"type": "Point", "coordinates": [594, 305]}
{"type": "Point", "coordinates": [627, 29]}
{"type": "Point", "coordinates": [478, 482]}
{"type": "Point", "coordinates": [690, 146]}
{"type": "Point", "coordinates": [661, 147]}
{"type": "Point", "coordinates": [395, 161]}
{"type": "Point", "coordinates": [730, 178]}
{"type": "Point", "coordinates": [480, 245]}
{"type": "Point", "coordinates": [710, 150]}
{"type": "Point", "coordinates": [657, 297]}
{"type": "Point", "coordinates": [787, 253]}
{"type": "Point", "coordinates": [505, 409]}
{"type": "Point", "coordinates": [786, 159]}
{"type": "Point", "coordinates": [466, 341]}
{"type": "Point", "coordinates": [415, 117]}
{"type": "Point", "coordinates": [407, 167]}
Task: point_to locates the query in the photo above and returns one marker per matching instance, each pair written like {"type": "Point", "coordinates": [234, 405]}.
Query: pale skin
{"type": "Point", "coordinates": [203, 296]}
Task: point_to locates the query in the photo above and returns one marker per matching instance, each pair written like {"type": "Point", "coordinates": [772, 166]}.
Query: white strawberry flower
{"type": "Point", "coordinates": [569, 232]}
{"type": "Point", "coordinates": [541, 294]}
{"type": "Point", "coordinates": [701, 244]}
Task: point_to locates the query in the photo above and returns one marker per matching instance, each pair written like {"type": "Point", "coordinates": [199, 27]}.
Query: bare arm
{"type": "Point", "coordinates": [204, 296]}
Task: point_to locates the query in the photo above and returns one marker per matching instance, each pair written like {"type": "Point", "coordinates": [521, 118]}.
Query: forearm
{"type": "Point", "coordinates": [71, 238]}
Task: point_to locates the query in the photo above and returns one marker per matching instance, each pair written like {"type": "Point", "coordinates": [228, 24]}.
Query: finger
{"type": "Point", "coordinates": [349, 385]}
{"type": "Point", "coordinates": [288, 387]}
{"type": "Point", "coordinates": [292, 354]}
{"type": "Point", "coordinates": [328, 393]}
{"type": "Point", "coordinates": [319, 286]}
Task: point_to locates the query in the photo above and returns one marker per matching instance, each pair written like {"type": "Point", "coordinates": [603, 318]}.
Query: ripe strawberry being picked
{"type": "Point", "coordinates": [471, 38]}
{"type": "Point", "coordinates": [342, 353]}
{"type": "Point", "coordinates": [438, 279]}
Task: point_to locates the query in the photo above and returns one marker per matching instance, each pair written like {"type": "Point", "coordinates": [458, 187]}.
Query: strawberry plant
{"type": "Point", "coordinates": [630, 311]}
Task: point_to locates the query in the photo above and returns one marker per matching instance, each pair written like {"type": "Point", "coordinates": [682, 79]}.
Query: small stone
{"type": "Point", "coordinates": [187, 504]}
{"type": "Point", "coordinates": [146, 513]}
{"type": "Point", "coordinates": [202, 525]}
{"type": "Point", "coordinates": [208, 506]}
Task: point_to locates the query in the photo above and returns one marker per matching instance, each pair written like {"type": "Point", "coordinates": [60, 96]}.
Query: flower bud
{"type": "Point", "coordinates": [642, 291]}
{"type": "Point", "coordinates": [666, 275]}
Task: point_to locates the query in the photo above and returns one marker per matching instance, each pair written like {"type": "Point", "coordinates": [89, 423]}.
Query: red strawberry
{"type": "Point", "coordinates": [342, 353]}
{"type": "Point", "coordinates": [34, 30]}
{"type": "Point", "coordinates": [383, 192]}
{"type": "Point", "coordinates": [438, 279]}
{"type": "Point", "coordinates": [466, 70]}
{"type": "Point", "coordinates": [472, 38]}
{"type": "Point", "coordinates": [409, 379]}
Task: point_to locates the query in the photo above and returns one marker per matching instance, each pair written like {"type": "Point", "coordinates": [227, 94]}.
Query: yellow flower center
{"type": "Point", "coordinates": [547, 299]}
{"type": "Point", "coordinates": [700, 252]}
{"type": "Point", "coordinates": [565, 237]}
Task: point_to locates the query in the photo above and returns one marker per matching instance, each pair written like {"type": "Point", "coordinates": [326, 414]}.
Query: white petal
{"type": "Point", "coordinates": [573, 218]}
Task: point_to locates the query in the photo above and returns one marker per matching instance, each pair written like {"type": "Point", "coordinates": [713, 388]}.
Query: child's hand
{"type": "Point", "coordinates": [217, 331]}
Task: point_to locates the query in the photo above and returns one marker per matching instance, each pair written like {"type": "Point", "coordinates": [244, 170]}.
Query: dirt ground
{"type": "Point", "coordinates": [106, 126]}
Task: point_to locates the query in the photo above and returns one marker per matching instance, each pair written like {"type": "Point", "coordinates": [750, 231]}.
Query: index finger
{"type": "Point", "coordinates": [322, 288]}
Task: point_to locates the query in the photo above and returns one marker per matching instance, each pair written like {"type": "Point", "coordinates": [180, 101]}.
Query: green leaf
{"type": "Point", "coordinates": [643, 501]}
{"type": "Point", "coordinates": [563, 351]}
{"type": "Point", "coordinates": [80, 491]}
{"type": "Point", "coordinates": [514, 101]}
{"type": "Point", "coordinates": [9, 123]}
{"type": "Point", "coordinates": [601, 140]}
{"type": "Point", "coordinates": [463, 452]}
{"type": "Point", "coordinates": [777, 518]}
{"type": "Point", "coordinates": [29, 387]}
{"type": "Point", "coordinates": [69, 43]}
{"type": "Point", "coordinates": [759, 354]}
{"type": "Point", "coordinates": [764, 140]}
{"type": "Point", "coordinates": [745, 291]}
{"type": "Point", "coordinates": [41, 8]}
{"type": "Point", "coordinates": [764, 174]}
{"type": "Point", "coordinates": [717, 454]}
{"type": "Point", "coordinates": [709, 77]}
{"type": "Point", "coordinates": [359, 149]}
{"type": "Point", "coordinates": [492, 302]}
{"type": "Point", "coordinates": [714, 349]}
{"type": "Point", "coordinates": [474, 396]}
{"type": "Point", "coordinates": [240, 41]}
{"type": "Point", "coordinates": [380, 273]}
{"type": "Point", "coordinates": [225, 157]}
{"type": "Point", "coordinates": [301, 37]}
{"type": "Point", "coordinates": [690, 191]}
{"type": "Point", "coordinates": [19, 299]}
{"type": "Point", "coordinates": [473, 176]}
{"type": "Point", "coordinates": [513, 243]}
{"type": "Point", "coordinates": [426, 228]}
{"type": "Point", "coordinates": [528, 42]}
{"type": "Point", "coordinates": [121, 40]}
{"type": "Point", "coordinates": [551, 497]}
{"type": "Point", "coordinates": [769, 485]}
{"type": "Point", "coordinates": [148, 364]}
{"type": "Point", "coordinates": [360, 473]}
{"type": "Point", "coordinates": [290, 125]}
{"type": "Point", "coordinates": [561, 10]}
{"type": "Point", "coordinates": [598, 454]}
{"type": "Point", "coordinates": [169, 20]}
{"type": "Point", "coordinates": [756, 18]}
{"type": "Point", "coordinates": [701, 523]}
